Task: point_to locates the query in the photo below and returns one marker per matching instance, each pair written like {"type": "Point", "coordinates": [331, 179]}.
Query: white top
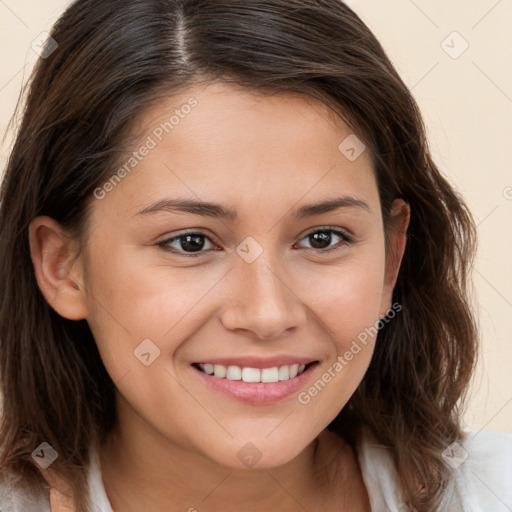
{"type": "Point", "coordinates": [482, 470]}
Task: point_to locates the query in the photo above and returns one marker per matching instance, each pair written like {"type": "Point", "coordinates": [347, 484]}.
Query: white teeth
{"type": "Point", "coordinates": [234, 373]}
{"type": "Point", "coordinates": [270, 374]}
{"type": "Point", "coordinates": [219, 371]}
{"type": "Point", "coordinates": [247, 374]}
{"type": "Point", "coordinates": [251, 375]}
{"type": "Point", "coordinates": [284, 373]}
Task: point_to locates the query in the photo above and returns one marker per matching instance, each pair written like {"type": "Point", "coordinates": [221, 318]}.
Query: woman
{"type": "Point", "coordinates": [233, 277]}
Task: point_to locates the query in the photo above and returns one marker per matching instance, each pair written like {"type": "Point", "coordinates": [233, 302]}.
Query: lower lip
{"type": "Point", "coordinates": [257, 393]}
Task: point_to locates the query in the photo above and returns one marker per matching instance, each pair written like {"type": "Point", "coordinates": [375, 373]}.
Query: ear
{"type": "Point", "coordinates": [400, 216]}
{"type": "Point", "coordinates": [57, 267]}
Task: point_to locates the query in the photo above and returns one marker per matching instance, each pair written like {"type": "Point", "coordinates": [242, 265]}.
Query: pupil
{"type": "Point", "coordinates": [191, 242]}
{"type": "Point", "coordinates": [319, 238]}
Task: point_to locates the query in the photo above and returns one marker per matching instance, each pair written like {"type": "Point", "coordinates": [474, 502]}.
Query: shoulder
{"type": "Point", "coordinates": [379, 473]}
{"type": "Point", "coordinates": [13, 498]}
{"type": "Point", "coordinates": [482, 467]}
{"type": "Point", "coordinates": [480, 443]}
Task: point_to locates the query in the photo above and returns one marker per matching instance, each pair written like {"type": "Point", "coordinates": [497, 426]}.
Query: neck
{"type": "Point", "coordinates": [141, 470]}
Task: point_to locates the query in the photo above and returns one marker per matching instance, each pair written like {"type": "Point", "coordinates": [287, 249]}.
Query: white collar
{"type": "Point", "coordinates": [97, 492]}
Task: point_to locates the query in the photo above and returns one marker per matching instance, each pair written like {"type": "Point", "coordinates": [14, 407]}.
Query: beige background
{"type": "Point", "coordinates": [467, 105]}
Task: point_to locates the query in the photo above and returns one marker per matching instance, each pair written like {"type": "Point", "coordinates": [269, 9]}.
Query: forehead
{"type": "Point", "coordinates": [224, 142]}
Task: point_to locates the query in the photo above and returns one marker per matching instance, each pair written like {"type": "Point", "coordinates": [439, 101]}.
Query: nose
{"type": "Point", "coordinates": [263, 301]}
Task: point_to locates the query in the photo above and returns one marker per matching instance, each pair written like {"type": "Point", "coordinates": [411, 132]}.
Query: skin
{"type": "Point", "coordinates": [175, 447]}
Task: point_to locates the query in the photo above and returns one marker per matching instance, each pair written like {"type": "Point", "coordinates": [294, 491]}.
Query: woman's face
{"type": "Point", "coordinates": [275, 284]}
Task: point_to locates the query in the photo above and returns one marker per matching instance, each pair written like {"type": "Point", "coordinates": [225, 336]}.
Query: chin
{"type": "Point", "coordinates": [254, 455]}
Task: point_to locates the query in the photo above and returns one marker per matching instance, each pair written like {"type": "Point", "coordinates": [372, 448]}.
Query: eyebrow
{"type": "Point", "coordinates": [219, 211]}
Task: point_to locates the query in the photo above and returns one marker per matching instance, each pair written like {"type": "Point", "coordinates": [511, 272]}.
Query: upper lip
{"type": "Point", "coordinates": [258, 362]}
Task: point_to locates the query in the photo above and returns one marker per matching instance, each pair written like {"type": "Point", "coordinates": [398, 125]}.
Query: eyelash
{"type": "Point", "coordinates": [346, 240]}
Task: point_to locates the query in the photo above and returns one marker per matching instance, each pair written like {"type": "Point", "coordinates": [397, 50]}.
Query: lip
{"type": "Point", "coordinates": [259, 362]}
{"type": "Point", "coordinates": [257, 393]}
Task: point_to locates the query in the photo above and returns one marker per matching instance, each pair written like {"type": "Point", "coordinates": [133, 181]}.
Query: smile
{"type": "Point", "coordinates": [255, 386]}
{"type": "Point", "coordinates": [248, 374]}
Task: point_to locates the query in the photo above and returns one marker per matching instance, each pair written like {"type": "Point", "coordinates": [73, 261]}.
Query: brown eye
{"type": "Point", "coordinates": [186, 243]}
{"type": "Point", "coordinates": [321, 239]}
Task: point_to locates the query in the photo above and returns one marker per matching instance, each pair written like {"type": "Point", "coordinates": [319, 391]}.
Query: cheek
{"type": "Point", "coordinates": [135, 301]}
{"type": "Point", "coordinates": [132, 299]}
{"type": "Point", "coordinates": [348, 297]}
{"type": "Point", "coordinates": [347, 304]}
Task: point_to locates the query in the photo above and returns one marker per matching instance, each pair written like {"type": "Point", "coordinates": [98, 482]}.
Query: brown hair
{"type": "Point", "coordinates": [113, 59]}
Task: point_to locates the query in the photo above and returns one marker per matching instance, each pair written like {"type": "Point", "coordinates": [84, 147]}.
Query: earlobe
{"type": "Point", "coordinates": [56, 267]}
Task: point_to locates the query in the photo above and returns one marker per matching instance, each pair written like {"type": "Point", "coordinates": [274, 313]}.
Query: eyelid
{"type": "Point", "coordinates": [190, 231]}
{"type": "Point", "coordinates": [335, 229]}
{"type": "Point", "coordinates": [346, 238]}
{"type": "Point", "coordinates": [341, 232]}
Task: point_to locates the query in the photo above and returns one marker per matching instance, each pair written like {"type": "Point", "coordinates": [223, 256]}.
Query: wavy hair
{"type": "Point", "coordinates": [113, 61]}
